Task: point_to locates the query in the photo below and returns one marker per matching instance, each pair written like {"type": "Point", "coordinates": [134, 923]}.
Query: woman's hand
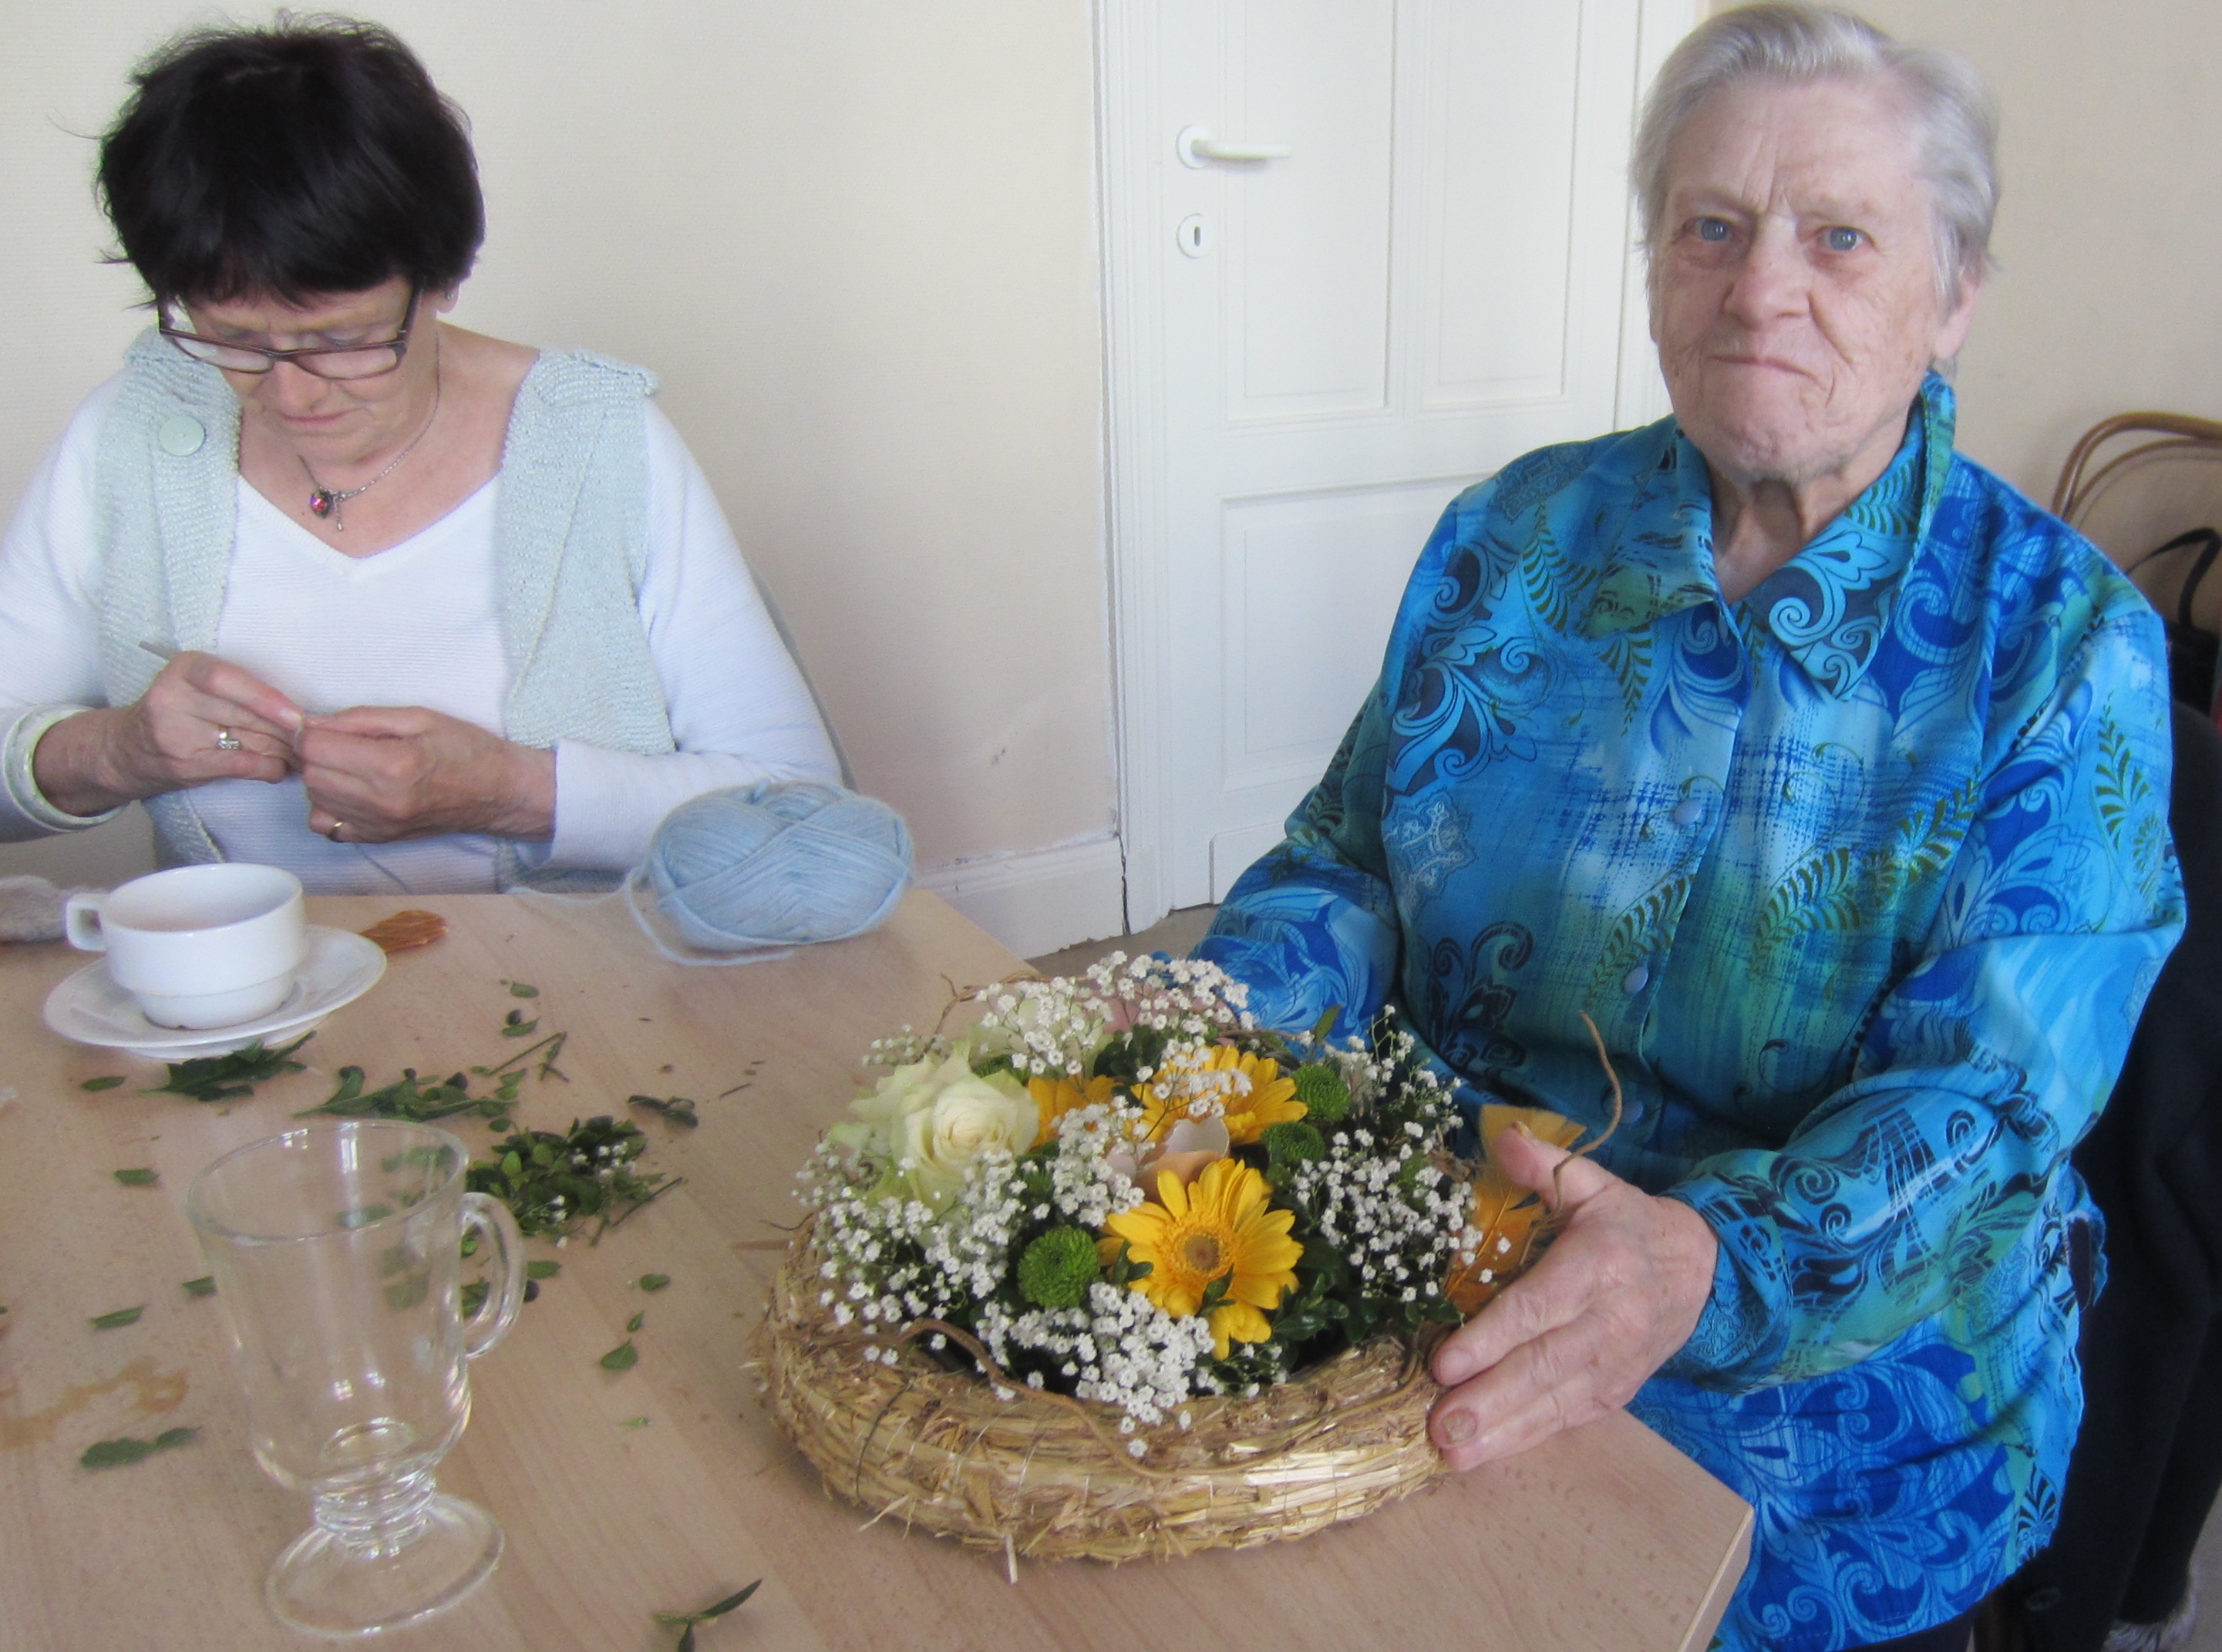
{"type": "Point", "coordinates": [379, 773]}
{"type": "Point", "coordinates": [1618, 1293]}
{"type": "Point", "coordinates": [166, 740]}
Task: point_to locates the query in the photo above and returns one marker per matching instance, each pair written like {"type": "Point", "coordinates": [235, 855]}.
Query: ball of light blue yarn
{"type": "Point", "coordinates": [778, 864]}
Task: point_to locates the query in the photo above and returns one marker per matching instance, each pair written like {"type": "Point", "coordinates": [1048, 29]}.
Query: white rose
{"type": "Point", "coordinates": [935, 1118]}
{"type": "Point", "coordinates": [968, 1117]}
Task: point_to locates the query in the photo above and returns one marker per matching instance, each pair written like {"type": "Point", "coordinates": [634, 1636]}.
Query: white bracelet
{"type": "Point", "coordinates": [22, 783]}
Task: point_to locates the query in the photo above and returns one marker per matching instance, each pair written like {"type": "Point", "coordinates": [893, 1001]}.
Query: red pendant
{"type": "Point", "coordinates": [321, 502]}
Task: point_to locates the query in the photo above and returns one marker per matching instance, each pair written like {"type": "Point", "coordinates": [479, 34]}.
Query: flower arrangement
{"type": "Point", "coordinates": [1116, 1222]}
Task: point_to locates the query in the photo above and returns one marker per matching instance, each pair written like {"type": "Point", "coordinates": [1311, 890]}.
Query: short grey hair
{"type": "Point", "coordinates": [1955, 123]}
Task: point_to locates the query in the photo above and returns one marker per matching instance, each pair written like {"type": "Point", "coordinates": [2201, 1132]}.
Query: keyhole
{"type": "Point", "coordinates": [1194, 236]}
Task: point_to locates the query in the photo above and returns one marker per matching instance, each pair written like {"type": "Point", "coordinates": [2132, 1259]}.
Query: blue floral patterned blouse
{"type": "Point", "coordinates": [1864, 878]}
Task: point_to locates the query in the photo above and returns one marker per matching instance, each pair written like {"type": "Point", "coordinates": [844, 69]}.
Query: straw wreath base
{"type": "Point", "coordinates": [1022, 1472]}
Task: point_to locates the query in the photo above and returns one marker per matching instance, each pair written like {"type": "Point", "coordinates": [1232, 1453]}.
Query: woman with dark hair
{"type": "Point", "coordinates": [329, 583]}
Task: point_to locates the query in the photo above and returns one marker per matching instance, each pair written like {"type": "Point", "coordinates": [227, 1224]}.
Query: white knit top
{"type": "Point", "coordinates": [419, 624]}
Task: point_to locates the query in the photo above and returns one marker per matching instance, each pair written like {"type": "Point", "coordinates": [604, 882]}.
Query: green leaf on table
{"type": "Point", "coordinates": [633, 1423]}
{"type": "Point", "coordinates": [678, 1109]}
{"type": "Point", "coordinates": [107, 1080]}
{"type": "Point", "coordinates": [634, 1323]}
{"type": "Point", "coordinates": [653, 1281]}
{"type": "Point", "coordinates": [514, 1026]}
{"type": "Point", "coordinates": [204, 1286]}
{"type": "Point", "coordinates": [538, 1269]}
{"type": "Point", "coordinates": [623, 1357]}
{"type": "Point", "coordinates": [117, 1453]}
{"type": "Point", "coordinates": [689, 1619]}
{"type": "Point", "coordinates": [119, 1319]}
{"type": "Point", "coordinates": [223, 1077]}
{"type": "Point", "coordinates": [518, 990]}
{"type": "Point", "coordinates": [408, 1097]}
{"type": "Point", "coordinates": [140, 1178]}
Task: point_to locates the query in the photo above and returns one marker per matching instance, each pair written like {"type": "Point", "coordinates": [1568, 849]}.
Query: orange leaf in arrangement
{"type": "Point", "coordinates": [1508, 1215]}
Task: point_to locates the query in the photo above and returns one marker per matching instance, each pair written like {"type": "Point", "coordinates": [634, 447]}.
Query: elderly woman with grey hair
{"type": "Point", "coordinates": [1826, 775]}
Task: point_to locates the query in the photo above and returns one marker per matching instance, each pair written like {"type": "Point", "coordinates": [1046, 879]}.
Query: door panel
{"type": "Point", "coordinates": [1307, 323]}
{"type": "Point", "coordinates": [1311, 355]}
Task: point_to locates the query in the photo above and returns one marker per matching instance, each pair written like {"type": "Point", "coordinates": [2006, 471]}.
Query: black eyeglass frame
{"type": "Point", "coordinates": [398, 344]}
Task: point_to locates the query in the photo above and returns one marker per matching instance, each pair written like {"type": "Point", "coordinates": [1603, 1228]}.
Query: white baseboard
{"type": "Point", "coordinates": [1036, 901]}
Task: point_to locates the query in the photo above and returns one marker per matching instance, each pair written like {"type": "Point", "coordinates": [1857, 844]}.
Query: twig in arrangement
{"type": "Point", "coordinates": [690, 1619]}
{"type": "Point", "coordinates": [1604, 1059]}
{"type": "Point", "coordinates": [118, 1453]}
{"type": "Point", "coordinates": [225, 1077]}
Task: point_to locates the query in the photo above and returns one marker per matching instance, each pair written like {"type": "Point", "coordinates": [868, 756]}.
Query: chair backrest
{"type": "Point", "coordinates": [2137, 480]}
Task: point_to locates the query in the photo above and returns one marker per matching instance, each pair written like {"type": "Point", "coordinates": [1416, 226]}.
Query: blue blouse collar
{"type": "Point", "coordinates": [1829, 605]}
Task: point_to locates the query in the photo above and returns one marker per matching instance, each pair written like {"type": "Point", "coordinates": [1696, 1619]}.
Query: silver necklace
{"type": "Point", "coordinates": [325, 502]}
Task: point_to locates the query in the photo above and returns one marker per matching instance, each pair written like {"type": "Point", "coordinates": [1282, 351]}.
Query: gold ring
{"type": "Point", "coordinates": [334, 830]}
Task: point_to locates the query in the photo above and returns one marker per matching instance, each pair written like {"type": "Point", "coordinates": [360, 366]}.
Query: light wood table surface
{"type": "Point", "coordinates": [1606, 1538]}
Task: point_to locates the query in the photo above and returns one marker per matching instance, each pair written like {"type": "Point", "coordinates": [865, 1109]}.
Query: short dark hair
{"type": "Point", "coordinates": [315, 156]}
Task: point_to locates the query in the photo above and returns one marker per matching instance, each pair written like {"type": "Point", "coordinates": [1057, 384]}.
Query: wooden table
{"type": "Point", "coordinates": [1606, 1538]}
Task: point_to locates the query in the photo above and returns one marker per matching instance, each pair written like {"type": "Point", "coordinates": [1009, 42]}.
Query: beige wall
{"type": "Point", "coordinates": [856, 238]}
{"type": "Point", "coordinates": [2109, 291]}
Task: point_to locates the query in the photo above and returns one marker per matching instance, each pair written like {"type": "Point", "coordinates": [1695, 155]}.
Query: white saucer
{"type": "Point", "coordinates": [91, 1008]}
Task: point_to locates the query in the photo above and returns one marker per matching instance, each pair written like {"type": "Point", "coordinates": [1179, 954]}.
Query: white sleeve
{"type": "Point", "coordinates": [49, 616]}
{"type": "Point", "coordinates": [739, 709]}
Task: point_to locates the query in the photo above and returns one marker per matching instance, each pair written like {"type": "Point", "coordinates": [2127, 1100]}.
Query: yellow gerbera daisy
{"type": "Point", "coordinates": [1060, 1096]}
{"type": "Point", "coordinates": [1217, 1228]}
{"type": "Point", "coordinates": [1249, 1087]}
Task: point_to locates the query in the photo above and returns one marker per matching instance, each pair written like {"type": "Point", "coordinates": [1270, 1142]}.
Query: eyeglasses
{"type": "Point", "coordinates": [325, 360]}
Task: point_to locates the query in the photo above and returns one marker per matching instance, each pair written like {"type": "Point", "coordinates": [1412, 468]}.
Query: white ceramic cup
{"type": "Point", "coordinates": [199, 946]}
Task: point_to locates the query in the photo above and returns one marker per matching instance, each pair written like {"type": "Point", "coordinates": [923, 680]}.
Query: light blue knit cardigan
{"type": "Point", "coordinates": [571, 548]}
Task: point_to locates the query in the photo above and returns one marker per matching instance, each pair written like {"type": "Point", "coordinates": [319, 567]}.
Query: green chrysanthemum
{"type": "Point", "coordinates": [1292, 1141]}
{"type": "Point", "coordinates": [1057, 1268]}
{"type": "Point", "coordinates": [1324, 1097]}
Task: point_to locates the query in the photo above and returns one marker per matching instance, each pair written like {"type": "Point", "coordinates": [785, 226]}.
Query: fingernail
{"type": "Point", "coordinates": [1457, 1429]}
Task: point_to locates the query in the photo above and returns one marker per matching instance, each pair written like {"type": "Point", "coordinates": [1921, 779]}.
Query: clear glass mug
{"type": "Point", "coordinates": [336, 1254]}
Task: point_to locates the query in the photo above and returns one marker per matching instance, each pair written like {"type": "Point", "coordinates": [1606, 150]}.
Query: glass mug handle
{"type": "Point", "coordinates": [81, 921]}
{"type": "Point", "coordinates": [489, 1217]}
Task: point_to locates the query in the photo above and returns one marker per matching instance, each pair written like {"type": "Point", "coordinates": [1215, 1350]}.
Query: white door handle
{"type": "Point", "coordinates": [1197, 147]}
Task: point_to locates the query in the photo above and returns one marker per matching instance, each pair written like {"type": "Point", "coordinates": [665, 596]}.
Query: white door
{"type": "Point", "coordinates": [1423, 272]}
